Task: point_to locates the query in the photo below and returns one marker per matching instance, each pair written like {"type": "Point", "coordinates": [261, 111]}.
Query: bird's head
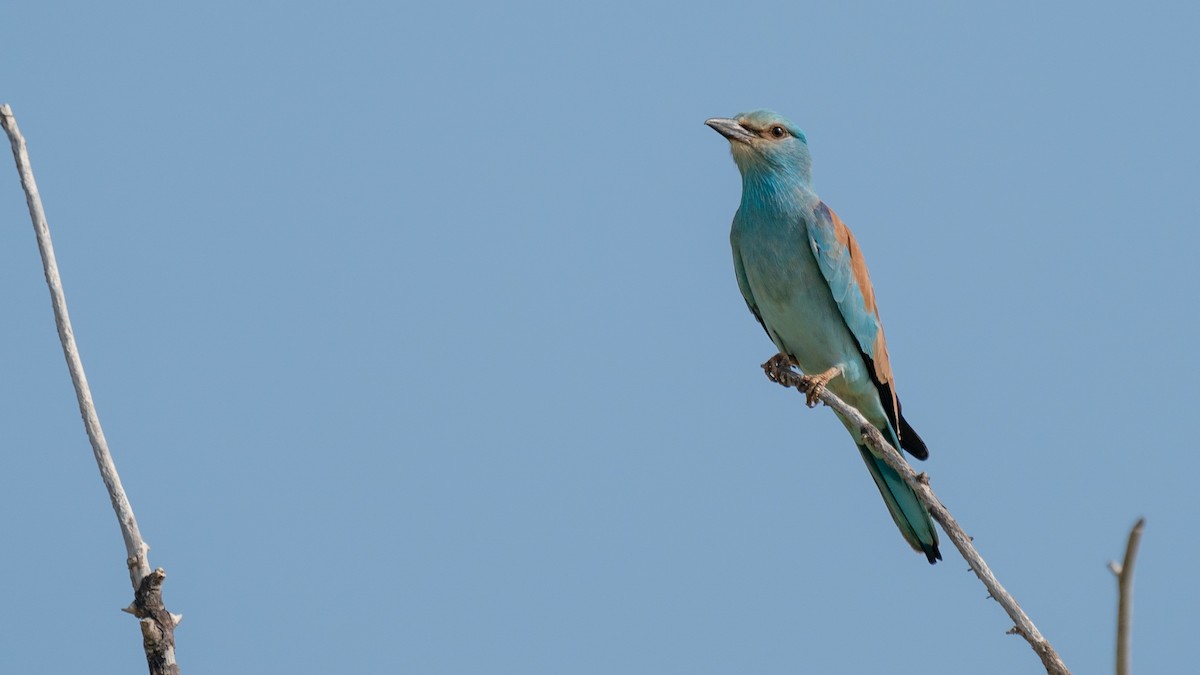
{"type": "Point", "coordinates": [764, 141]}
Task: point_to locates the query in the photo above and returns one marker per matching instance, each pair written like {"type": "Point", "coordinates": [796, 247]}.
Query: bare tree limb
{"type": "Point", "coordinates": [1124, 573]}
{"type": "Point", "coordinates": [920, 485]}
{"type": "Point", "coordinates": [158, 626]}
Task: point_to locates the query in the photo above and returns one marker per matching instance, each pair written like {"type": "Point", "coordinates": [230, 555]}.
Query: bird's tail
{"type": "Point", "coordinates": [911, 516]}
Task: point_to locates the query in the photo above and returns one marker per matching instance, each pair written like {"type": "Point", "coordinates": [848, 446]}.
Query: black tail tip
{"type": "Point", "coordinates": [911, 442]}
{"type": "Point", "coordinates": [932, 554]}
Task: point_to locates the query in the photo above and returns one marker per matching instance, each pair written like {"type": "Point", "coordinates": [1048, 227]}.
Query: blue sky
{"type": "Point", "coordinates": [415, 335]}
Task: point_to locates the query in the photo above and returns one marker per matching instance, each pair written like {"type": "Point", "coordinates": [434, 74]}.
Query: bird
{"type": "Point", "coordinates": [804, 278]}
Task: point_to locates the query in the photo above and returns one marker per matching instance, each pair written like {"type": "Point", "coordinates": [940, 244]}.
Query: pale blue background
{"type": "Point", "coordinates": [415, 335]}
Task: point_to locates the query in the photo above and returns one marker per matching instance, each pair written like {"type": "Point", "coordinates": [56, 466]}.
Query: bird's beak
{"type": "Point", "coordinates": [730, 129]}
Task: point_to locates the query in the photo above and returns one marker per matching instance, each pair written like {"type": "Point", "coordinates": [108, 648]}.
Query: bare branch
{"type": "Point", "coordinates": [1124, 573]}
{"type": "Point", "coordinates": [920, 485]}
{"type": "Point", "coordinates": [147, 585]}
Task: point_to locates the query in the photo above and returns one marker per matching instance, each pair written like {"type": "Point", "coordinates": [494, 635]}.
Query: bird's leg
{"type": "Point", "coordinates": [815, 384]}
{"type": "Point", "coordinates": [779, 370]}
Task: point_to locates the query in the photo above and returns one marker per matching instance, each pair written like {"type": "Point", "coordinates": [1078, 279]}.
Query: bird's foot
{"type": "Point", "coordinates": [813, 385]}
{"type": "Point", "coordinates": [779, 370]}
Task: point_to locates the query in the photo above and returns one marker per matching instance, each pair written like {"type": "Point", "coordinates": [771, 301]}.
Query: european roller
{"type": "Point", "coordinates": [805, 280]}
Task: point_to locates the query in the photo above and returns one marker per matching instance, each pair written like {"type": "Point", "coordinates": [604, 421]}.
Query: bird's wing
{"type": "Point", "coordinates": [845, 271]}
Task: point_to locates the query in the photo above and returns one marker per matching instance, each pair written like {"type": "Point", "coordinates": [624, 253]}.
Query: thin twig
{"type": "Point", "coordinates": [1124, 573]}
{"type": "Point", "coordinates": [920, 484]}
{"type": "Point", "coordinates": [146, 585]}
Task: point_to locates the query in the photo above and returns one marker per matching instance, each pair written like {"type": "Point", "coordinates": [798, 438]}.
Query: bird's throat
{"type": "Point", "coordinates": [774, 193]}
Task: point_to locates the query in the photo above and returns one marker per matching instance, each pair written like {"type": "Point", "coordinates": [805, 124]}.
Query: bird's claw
{"type": "Point", "coordinates": [814, 385]}
{"type": "Point", "coordinates": [778, 369]}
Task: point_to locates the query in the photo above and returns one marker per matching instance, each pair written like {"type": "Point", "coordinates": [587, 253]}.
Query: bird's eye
{"type": "Point", "coordinates": [778, 132]}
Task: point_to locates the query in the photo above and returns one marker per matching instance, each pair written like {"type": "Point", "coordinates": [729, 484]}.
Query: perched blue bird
{"type": "Point", "coordinates": [804, 278]}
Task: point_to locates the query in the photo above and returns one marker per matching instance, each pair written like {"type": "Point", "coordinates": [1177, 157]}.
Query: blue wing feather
{"type": "Point", "coordinates": [832, 243]}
